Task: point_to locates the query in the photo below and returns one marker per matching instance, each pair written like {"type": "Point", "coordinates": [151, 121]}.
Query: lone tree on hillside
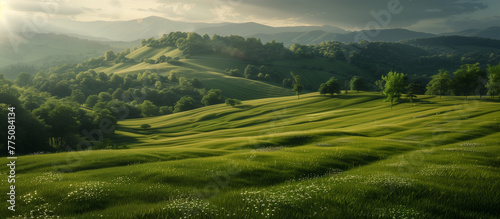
{"type": "Point", "coordinates": [145, 126]}
{"type": "Point", "coordinates": [232, 102]}
{"type": "Point", "coordinates": [330, 87]}
{"type": "Point", "coordinates": [440, 84]}
{"type": "Point", "coordinates": [395, 84]}
{"type": "Point", "coordinates": [297, 86]}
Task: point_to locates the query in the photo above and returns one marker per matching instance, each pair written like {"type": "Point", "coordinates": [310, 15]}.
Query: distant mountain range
{"type": "Point", "coordinates": [316, 37]}
{"type": "Point", "coordinates": [157, 26]}
{"type": "Point", "coordinates": [491, 32]}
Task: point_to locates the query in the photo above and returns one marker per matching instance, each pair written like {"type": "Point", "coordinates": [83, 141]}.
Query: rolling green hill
{"type": "Point", "coordinates": [317, 156]}
{"type": "Point", "coordinates": [210, 68]}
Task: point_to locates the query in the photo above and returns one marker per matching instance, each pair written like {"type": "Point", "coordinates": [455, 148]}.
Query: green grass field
{"type": "Point", "coordinates": [317, 156]}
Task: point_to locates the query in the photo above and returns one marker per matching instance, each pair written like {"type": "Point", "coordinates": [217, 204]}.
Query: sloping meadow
{"type": "Point", "coordinates": [317, 156]}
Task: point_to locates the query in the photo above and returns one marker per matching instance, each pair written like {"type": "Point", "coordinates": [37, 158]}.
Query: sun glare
{"type": "Point", "coordinates": [3, 8]}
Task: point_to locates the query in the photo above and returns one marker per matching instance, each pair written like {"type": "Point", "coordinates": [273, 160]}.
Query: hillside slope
{"type": "Point", "coordinates": [210, 69]}
{"type": "Point", "coordinates": [282, 157]}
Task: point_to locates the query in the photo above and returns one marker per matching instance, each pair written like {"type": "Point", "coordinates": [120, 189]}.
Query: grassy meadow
{"type": "Point", "coordinates": [346, 156]}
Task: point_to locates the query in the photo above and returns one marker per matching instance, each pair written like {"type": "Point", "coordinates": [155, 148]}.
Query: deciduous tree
{"type": "Point", "coordinates": [330, 87]}
{"type": "Point", "coordinates": [297, 85]}
{"type": "Point", "coordinates": [395, 84]}
{"type": "Point", "coordinates": [440, 84]}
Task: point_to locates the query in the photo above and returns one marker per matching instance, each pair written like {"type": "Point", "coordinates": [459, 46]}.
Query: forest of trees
{"type": "Point", "coordinates": [247, 49]}
{"type": "Point", "coordinates": [56, 109]}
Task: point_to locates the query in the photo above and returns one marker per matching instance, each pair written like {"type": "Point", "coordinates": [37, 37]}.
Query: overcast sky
{"type": "Point", "coordinates": [434, 16]}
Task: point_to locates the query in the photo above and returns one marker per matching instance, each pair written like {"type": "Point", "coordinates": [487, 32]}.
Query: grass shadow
{"type": "Point", "coordinates": [244, 107]}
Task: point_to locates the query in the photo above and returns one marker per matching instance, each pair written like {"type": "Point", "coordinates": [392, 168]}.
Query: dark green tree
{"type": "Point", "coordinates": [103, 77]}
{"type": "Point", "coordinates": [91, 101]}
{"type": "Point", "coordinates": [468, 79]}
{"type": "Point", "coordinates": [145, 126]}
{"type": "Point", "coordinates": [234, 72]}
{"type": "Point", "coordinates": [149, 109]}
{"type": "Point", "coordinates": [165, 110]}
{"type": "Point", "coordinates": [24, 79]}
{"type": "Point", "coordinates": [116, 80]}
{"type": "Point", "coordinates": [78, 96]}
{"type": "Point", "coordinates": [251, 72]}
{"type": "Point", "coordinates": [331, 87]}
{"type": "Point", "coordinates": [440, 84]}
{"type": "Point", "coordinates": [214, 96]}
{"type": "Point", "coordinates": [105, 97]}
{"type": "Point", "coordinates": [357, 83]}
{"type": "Point", "coordinates": [161, 59]}
{"type": "Point", "coordinates": [118, 94]}
{"type": "Point", "coordinates": [184, 104]}
{"type": "Point", "coordinates": [62, 120]}
{"type": "Point", "coordinates": [232, 102]}
{"type": "Point", "coordinates": [109, 55]}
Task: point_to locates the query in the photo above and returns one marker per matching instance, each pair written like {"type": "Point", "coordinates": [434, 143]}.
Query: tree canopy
{"type": "Point", "coordinates": [357, 83]}
{"type": "Point", "coordinates": [214, 96]}
{"type": "Point", "coordinates": [395, 84]}
{"type": "Point", "coordinates": [440, 83]}
{"type": "Point", "coordinates": [331, 87]}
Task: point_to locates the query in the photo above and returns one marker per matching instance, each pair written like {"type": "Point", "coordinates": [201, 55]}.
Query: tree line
{"type": "Point", "coordinates": [469, 79]}
{"type": "Point", "coordinates": [247, 49]}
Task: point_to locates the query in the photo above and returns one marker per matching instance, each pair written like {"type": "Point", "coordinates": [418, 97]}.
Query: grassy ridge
{"type": "Point", "coordinates": [282, 157]}
{"type": "Point", "coordinates": [210, 70]}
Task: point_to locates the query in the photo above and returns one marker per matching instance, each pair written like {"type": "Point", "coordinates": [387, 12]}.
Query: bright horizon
{"type": "Point", "coordinates": [426, 16]}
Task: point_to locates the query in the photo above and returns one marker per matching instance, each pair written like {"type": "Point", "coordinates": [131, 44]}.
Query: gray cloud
{"type": "Point", "coordinates": [462, 24]}
{"type": "Point", "coordinates": [352, 13]}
